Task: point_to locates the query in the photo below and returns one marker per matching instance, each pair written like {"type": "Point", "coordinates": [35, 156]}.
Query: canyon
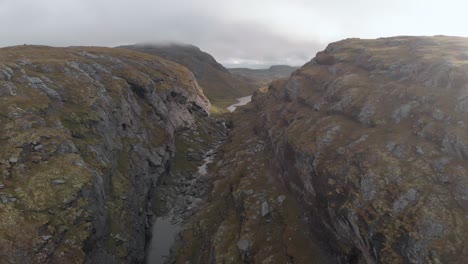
{"type": "Point", "coordinates": [128, 155]}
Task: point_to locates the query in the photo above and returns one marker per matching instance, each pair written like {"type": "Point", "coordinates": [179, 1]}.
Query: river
{"type": "Point", "coordinates": [164, 232]}
{"type": "Point", "coordinates": [166, 228]}
{"type": "Point", "coordinates": [240, 102]}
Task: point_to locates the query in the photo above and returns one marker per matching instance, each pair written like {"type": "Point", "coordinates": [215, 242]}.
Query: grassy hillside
{"type": "Point", "coordinates": [262, 77]}
{"type": "Point", "coordinates": [218, 84]}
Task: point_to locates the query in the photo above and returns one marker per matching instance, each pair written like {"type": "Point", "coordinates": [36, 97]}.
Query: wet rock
{"type": "Point", "coordinates": [265, 209]}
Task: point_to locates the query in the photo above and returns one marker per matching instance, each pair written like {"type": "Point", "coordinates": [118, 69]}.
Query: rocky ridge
{"type": "Point", "coordinates": [370, 136]}
{"type": "Point", "coordinates": [85, 133]}
{"type": "Point", "coordinates": [369, 139]}
{"type": "Point", "coordinates": [219, 85]}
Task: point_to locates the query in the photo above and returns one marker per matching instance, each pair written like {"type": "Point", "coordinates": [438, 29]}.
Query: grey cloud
{"type": "Point", "coordinates": [242, 31]}
{"type": "Point", "coordinates": [112, 23]}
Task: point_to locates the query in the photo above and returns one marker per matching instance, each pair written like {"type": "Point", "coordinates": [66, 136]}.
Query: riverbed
{"type": "Point", "coordinates": [166, 227]}
{"type": "Point", "coordinates": [163, 236]}
{"type": "Point", "coordinates": [240, 102]}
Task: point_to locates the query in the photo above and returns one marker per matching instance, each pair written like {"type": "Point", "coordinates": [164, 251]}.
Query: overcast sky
{"type": "Point", "coordinates": [243, 32]}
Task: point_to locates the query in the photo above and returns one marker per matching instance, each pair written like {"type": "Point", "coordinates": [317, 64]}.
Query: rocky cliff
{"type": "Point", "coordinates": [85, 133]}
{"type": "Point", "coordinates": [359, 157]}
{"type": "Point", "coordinates": [369, 144]}
{"type": "Point", "coordinates": [219, 85]}
{"type": "Point", "coordinates": [371, 137]}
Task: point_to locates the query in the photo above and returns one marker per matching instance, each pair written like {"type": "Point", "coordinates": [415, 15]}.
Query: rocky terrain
{"type": "Point", "coordinates": [219, 85]}
{"type": "Point", "coordinates": [249, 216]}
{"type": "Point", "coordinates": [368, 142]}
{"type": "Point", "coordinates": [360, 156]}
{"type": "Point", "coordinates": [85, 134]}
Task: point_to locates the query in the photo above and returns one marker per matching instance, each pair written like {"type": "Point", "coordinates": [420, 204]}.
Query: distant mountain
{"type": "Point", "coordinates": [262, 77]}
{"type": "Point", "coordinates": [218, 84]}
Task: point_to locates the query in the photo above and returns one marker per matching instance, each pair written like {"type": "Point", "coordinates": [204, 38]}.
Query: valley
{"type": "Point", "coordinates": [140, 154]}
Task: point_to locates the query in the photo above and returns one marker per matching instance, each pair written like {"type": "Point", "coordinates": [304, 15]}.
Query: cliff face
{"type": "Point", "coordinates": [371, 137]}
{"type": "Point", "coordinates": [359, 157]}
{"type": "Point", "coordinates": [249, 216]}
{"type": "Point", "coordinates": [85, 133]}
{"type": "Point", "coordinates": [219, 85]}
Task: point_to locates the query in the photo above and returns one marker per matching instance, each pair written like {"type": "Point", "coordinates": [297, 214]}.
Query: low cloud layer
{"type": "Point", "coordinates": [237, 33]}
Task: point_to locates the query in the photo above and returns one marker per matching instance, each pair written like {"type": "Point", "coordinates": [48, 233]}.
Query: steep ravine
{"type": "Point", "coordinates": [358, 157]}
{"type": "Point", "coordinates": [249, 217]}
{"type": "Point", "coordinates": [178, 194]}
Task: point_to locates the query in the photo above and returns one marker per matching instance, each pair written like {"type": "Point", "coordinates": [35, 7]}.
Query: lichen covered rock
{"type": "Point", "coordinates": [85, 132]}
{"type": "Point", "coordinates": [370, 136]}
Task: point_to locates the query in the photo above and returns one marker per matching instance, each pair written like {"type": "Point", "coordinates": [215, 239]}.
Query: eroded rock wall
{"type": "Point", "coordinates": [85, 133]}
{"type": "Point", "coordinates": [371, 137]}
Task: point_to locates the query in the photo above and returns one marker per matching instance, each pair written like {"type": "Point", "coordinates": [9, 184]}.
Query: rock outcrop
{"type": "Point", "coordinates": [359, 157]}
{"type": "Point", "coordinates": [249, 217]}
{"type": "Point", "coordinates": [85, 133]}
{"type": "Point", "coordinates": [371, 137]}
{"type": "Point", "coordinates": [219, 85]}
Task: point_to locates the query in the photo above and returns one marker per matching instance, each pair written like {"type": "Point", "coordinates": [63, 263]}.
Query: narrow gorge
{"type": "Point", "coordinates": [120, 155]}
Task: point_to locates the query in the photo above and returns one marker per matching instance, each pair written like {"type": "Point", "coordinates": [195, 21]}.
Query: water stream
{"type": "Point", "coordinates": [164, 231]}
{"type": "Point", "coordinates": [166, 228]}
{"type": "Point", "coordinates": [240, 102]}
